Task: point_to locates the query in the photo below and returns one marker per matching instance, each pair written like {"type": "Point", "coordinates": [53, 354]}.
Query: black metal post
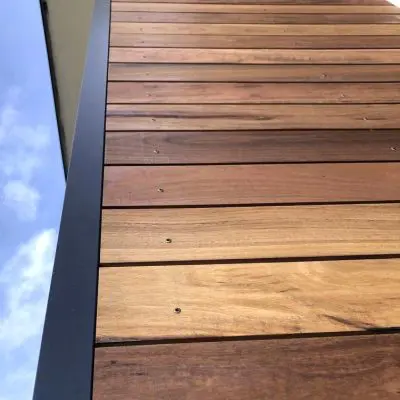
{"type": "Point", "coordinates": [65, 370]}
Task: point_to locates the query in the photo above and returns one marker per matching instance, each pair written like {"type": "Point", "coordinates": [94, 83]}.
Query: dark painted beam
{"type": "Point", "coordinates": [65, 367]}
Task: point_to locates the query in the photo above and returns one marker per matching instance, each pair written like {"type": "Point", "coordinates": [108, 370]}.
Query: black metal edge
{"type": "Point", "coordinates": [65, 369]}
{"type": "Point", "coordinates": [56, 96]}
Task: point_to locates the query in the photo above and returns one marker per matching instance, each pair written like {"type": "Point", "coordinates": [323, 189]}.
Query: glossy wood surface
{"type": "Point", "coordinates": [218, 18]}
{"type": "Point", "coordinates": [250, 184]}
{"type": "Point", "coordinates": [212, 147]}
{"type": "Point", "coordinates": [252, 93]}
{"type": "Point", "coordinates": [251, 73]}
{"type": "Point", "coordinates": [339, 368]}
{"type": "Point", "coordinates": [195, 117]}
{"type": "Point", "coordinates": [255, 42]}
{"type": "Point", "coordinates": [254, 56]}
{"type": "Point", "coordinates": [255, 29]}
{"type": "Point", "coordinates": [251, 190]}
{"type": "Point", "coordinates": [137, 303]}
{"type": "Point", "coordinates": [151, 235]}
{"type": "Point", "coordinates": [255, 8]}
{"type": "Point", "coordinates": [282, 2]}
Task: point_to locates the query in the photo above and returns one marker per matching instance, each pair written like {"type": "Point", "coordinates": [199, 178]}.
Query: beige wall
{"type": "Point", "coordinates": [69, 24]}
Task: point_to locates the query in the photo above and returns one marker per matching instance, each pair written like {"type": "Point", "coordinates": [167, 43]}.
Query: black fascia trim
{"type": "Point", "coordinates": [65, 369]}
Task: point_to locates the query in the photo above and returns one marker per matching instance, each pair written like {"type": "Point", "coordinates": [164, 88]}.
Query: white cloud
{"type": "Point", "coordinates": [21, 154]}
{"type": "Point", "coordinates": [22, 198]}
{"type": "Point", "coordinates": [24, 282]}
{"type": "Point", "coordinates": [7, 116]}
{"type": "Point", "coordinates": [26, 278]}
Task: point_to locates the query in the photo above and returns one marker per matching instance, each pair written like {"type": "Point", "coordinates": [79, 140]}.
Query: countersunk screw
{"type": "Point", "coordinates": [168, 240]}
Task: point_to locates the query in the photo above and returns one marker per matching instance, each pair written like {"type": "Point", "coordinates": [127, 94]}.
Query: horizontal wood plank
{"type": "Point", "coordinates": [148, 235]}
{"type": "Point", "coordinates": [252, 93]}
{"type": "Point", "coordinates": [170, 117]}
{"type": "Point", "coordinates": [340, 368]}
{"type": "Point", "coordinates": [255, 8]}
{"type": "Point", "coordinates": [254, 29]}
{"type": "Point", "coordinates": [212, 147]}
{"type": "Point", "coordinates": [138, 303]}
{"type": "Point", "coordinates": [283, 2]}
{"type": "Point", "coordinates": [255, 42]}
{"type": "Point", "coordinates": [253, 73]}
{"type": "Point", "coordinates": [218, 18]}
{"type": "Point", "coordinates": [250, 184]}
{"type": "Point", "coordinates": [253, 56]}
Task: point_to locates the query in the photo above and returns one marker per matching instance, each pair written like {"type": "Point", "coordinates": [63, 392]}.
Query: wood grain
{"type": "Point", "coordinates": [170, 117]}
{"type": "Point", "coordinates": [339, 368]}
{"type": "Point", "coordinates": [254, 56]}
{"type": "Point", "coordinates": [251, 93]}
{"type": "Point", "coordinates": [191, 147]}
{"type": "Point", "coordinates": [254, 8]}
{"type": "Point", "coordinates": [250, 184]}
{"type": "Point", "coordinates": [255, 42]}
{"type": "Point", "coordinates": [253, 73]}
{"type": "Point", "coordinates": [218, 18]}
{"type": "Point", "coordinates": [140, 235]}
{"type": "Point", "coordinates": [283, 2]}
{"type": "Point", "coordinates": [254, 29]}
{"type": "Point", "coordinates": [138, 303]}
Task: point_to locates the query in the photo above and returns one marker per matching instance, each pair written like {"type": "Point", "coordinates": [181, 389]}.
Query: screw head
{"type": "Point", "coordinates": [177, 310]}
{"type": "Point", "coordinates": [161, 190]}
{"type": "Point", "coordinates": [168, 240]}
{"type": "Point", "coordinates": [393, 148]}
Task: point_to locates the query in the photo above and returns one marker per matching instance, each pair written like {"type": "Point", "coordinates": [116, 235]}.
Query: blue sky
{"type": "Point", "coordinates": [31, 193]}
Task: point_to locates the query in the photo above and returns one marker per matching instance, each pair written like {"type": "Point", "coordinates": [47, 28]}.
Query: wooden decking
{"type": "Point", "coordinates": [251, 224]}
